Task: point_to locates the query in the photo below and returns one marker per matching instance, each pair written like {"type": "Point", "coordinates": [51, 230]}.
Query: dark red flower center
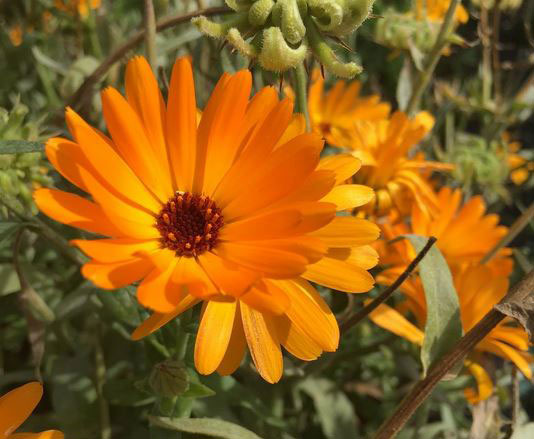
{"type": "Point", "coordinates": [189, 224]}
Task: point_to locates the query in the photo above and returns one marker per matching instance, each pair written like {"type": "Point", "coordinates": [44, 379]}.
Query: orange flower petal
{"type": "Point", "coordinates": [131, 140]}
{"type": "Point", "coordinates": [342, 275]}
{"type": "Point", "coordinates": [17, 405]}
{"type": "Point", "coordinates": [181, 124]}
{"type": "Point", "coordinates": [283, 171]}
{"type": "Point", "coordinates": [266, 298]}
{"type": "Point", "coordinates": [295, 340]}
{"type": "Point", "coordinates": [66, 156]}
{"type": "Point", "coordinates": [105, 161]}
{"type": "Point", "coordinates": [344, 166]}
{"type": "Point", "coordinates": [343, 231]}
{"type": "Point", "coordinates": [483, 380]}
{"type": "Point", "coordinates": [349, 196]}
{"type": "Point", "coordinates": [116, 275]}
{"type": "Point", "coordinates": [158, 292]}
{"type": "Point", "coordinates": [214, 335]}
{"type": "Point", "coordinates": [224, 131]}
{"type": "Point", "coordinates": [114, 250]}
{"type": "Point", "coordinates": [271, 262]}
{"type": "Point", "coordinates": [116, 206]}
{"type": "Point", "coordinates": [157, 320]}
{"type": "Point", "coordinates": [310, 313]}
{"type": "Point", "coordinates": [264, 346]}
{"type": "Point", "coordinates": [145, 98]}
{"type": "Point", "coordinates": [74, 211]}
{"type": "Point", "coordinates": [49, 434]}
{"type": "Point", "coordinates": [229, 277]}
{"type": "Point", "coordinates": [391, 320]}
{"type": "Point", "coordinates": [236, 347]}
{"type": "Point", "coordinates": [274, 224]}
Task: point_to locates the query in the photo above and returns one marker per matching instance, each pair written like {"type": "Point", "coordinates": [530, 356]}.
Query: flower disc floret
{"type": "Point", "coordinates": [189, 224]}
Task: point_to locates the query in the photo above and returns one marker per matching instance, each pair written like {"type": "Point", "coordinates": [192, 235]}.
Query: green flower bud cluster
{"type": "Point", "coordinates": [504, 5]}
{"type": "Point", "coordinates": [400, 31]}
{"type": "Point", "coordinates": [20, 173]}
{"type": "Point", "coordinates": [478, 164]}
{"type": "Point", "coordinates": [405, 32]}
{"type": "Point", "coordinates": [279, 33]}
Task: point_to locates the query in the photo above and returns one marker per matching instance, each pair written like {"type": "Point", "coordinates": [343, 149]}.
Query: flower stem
{"type": "Point", "coordinates": [441, 41]}
{"type": "Point", "coordinates": [150, 34]}
{"type": "Point", "coordinates": [301, 89]}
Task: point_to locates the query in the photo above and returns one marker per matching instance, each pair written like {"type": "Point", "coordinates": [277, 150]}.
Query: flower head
{"type": "Point", "coordinates": [237, 212]}
{"type": "Point", "coordinates": [80, 7]}
{"type": "Point", "coordinates": [465, 234]}
{"type": "Point", "coordinates": [16, 406]}
{"type": "Point", "coordinates": [384, 148]}
{"type": "Point", "coordinates": [333, 113]}
{"type": "Point", "coordinates": [478, 288]}
{"type": "Point", "coordinates": [435, 10]}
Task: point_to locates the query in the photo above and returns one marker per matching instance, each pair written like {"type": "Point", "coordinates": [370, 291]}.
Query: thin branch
{"type": "Point", "coordinates": [433, 58]}
{"type": "Point", "coordinates": [301, 79]}
{"type": "Point", "coordinates": [365, 311]}
{"type": "Point", "coordinates": [81, 96]}
{"type": "Point", "coordinates": [150, 34]}
{"type": "Point", "coordinates": [422, 390]}
{"type": "Point", "coordinates": [514, 230]}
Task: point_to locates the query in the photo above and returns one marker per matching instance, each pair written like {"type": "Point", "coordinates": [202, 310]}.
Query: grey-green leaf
{"type": "Point", "coordinates": [334, 409]}
{"type": "Point", "coordinates": [205, 426]}
{"type": "Point", "coordinates": [19, 146]}
{"type": "Point", "coordinates": [443, 324]}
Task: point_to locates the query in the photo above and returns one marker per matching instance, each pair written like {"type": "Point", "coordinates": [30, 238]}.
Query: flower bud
{"type": "Point", "coordinates": [169, 379]}
{"type": "Point", "coordinates": [276, 55]}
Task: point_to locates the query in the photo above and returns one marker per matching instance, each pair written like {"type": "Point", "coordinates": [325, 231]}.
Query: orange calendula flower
{"type": "Point", "coordinates": [16, 406]}
{"type": "Point", "coordinates": [465, 234]}
{"type": "Point", "coordinates": [519, 167]}
{"type": "Point", "coordinates": [383, 146]}
{"type": "Point", "coordinates": [16, 34]}
{"type": "Point", "coordinates": [435, 10]}
{"type": "Point", "coordinates": [478, 288]}
{"type": "Point", "coordinates": [237, 212]}
{"type": "Point", "coordinates": [333, 113]}
{"type": "Point", "coordinates": [80, 7]}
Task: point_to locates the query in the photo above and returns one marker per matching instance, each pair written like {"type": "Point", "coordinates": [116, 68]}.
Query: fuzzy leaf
{"type": "Point", "coordinates": [206, 426]}
{"type": "Point", "coordinates": [443, 324]}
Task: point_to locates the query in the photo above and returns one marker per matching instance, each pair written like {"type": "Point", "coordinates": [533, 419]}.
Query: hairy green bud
{"type": "Point", "coordinates": [275, 53]}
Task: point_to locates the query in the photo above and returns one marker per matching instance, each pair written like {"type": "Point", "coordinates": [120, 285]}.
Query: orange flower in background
{"type": "Point", "coordinates": [384, 148]}
{"type": "Point", "coordinates": [478, 288]}
{"type": "Point", "coordinates": [237, 212]}
{"type": "Point", "coordinates": [334, 112]}
{"type": "Point", "coordinates": [465, 234]}
{"type": "Point", "coordinates": [16, 34]}
{"type": "Point", "coordinates": [435, 10]}
{"type": "Point", "coordinates": [80, 7]}
{"type": "Point", "coordinates": [16, 406]}
{"type": "Point", "coordinates": [519, 167]}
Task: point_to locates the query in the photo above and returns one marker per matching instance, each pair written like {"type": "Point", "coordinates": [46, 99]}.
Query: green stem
{"type": "Point", "coordinates": [301, 89]}
{"type": "Point", "coordinates": [441, 41]}
{"type": "Point", "coordinates": [150, 34]}
{"type": "Point", "coordinates": [93, 35]}
{"type": "Point", "coordinates": [100, 378]}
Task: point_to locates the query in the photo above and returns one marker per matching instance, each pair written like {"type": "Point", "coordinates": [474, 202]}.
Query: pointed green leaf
{"type": "Point", "coordinates": [443, 324]}
{"type": "Point", "coordinates": [205, 426]}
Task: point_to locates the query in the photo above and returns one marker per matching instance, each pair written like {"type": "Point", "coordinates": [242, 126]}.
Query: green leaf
{"type": "Point", "coordinates": [19, 146]}
{"type": "Point", "coordinates": [123, 392]}
{"type": "Point", "coordinates": [443, 324]}
{"type": "Point", "coordinates": [7, 231]}
{"type": "Point", "coordinates": [334, 408]}
{"type": "Point", "coordinates": [206, 426]}
{"type": "Point", "coordinates": [198, 390]}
